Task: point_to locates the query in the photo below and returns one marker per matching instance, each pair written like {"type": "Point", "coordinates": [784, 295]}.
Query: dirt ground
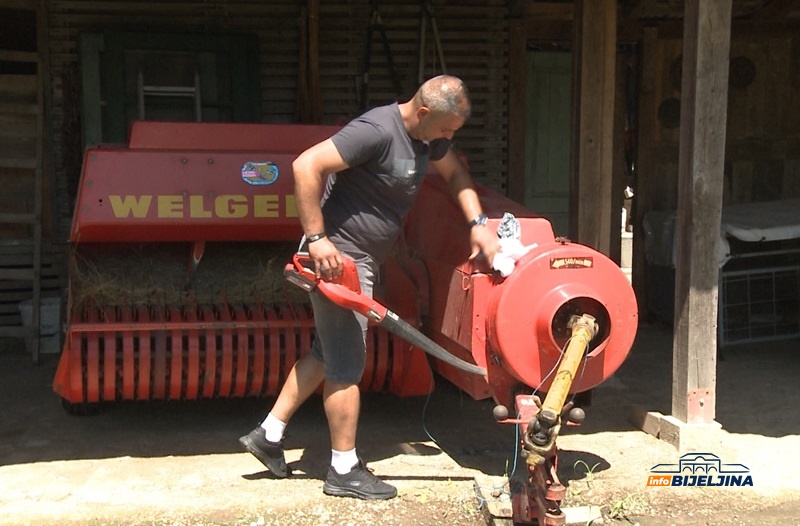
{"type": "Point", "coordinates": [179, 463]}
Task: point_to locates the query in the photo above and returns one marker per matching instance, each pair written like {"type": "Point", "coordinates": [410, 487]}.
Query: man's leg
{"type": "Point", "coordinates": [304, 378]}
{"type": "Point", "coordinates": [348, 478]}
{"type": "Point", "coordinates": [342, 402]}
{"type": "Point", "coordinates": [266, 441]}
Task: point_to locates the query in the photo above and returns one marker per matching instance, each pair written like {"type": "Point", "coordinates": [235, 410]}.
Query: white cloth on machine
{"type": "Point", "coordinates": [511, 248]}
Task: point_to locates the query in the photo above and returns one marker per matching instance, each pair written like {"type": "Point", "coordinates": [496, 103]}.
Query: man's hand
{"type": "Point", "coordinates": [483, 241]}
{"type": "Point", "coordinates": [326, 257]}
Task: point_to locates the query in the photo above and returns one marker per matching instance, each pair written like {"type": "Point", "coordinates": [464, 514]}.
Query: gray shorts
{"type": "Point", "coordinates": [340, 342]}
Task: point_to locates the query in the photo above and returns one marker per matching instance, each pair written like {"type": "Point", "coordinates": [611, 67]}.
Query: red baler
{"type": "Point", "coordinates": [215, 202]}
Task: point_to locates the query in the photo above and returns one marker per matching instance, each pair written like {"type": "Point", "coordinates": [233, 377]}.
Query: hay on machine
{"type": "Point", "coordinates": [162, 274]}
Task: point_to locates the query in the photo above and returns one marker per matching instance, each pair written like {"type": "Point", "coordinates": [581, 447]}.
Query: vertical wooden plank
{"type": "Point", "coordinates": [597, 39]}
{"type": "Point", "coordinates": [516, 110]}
{"type": "Point", "coordinates": [38, 185]}
{"type": "Point", "coordinates": [90, 46]}
{"type": "Point", "coordinates": [50, 196]}
{"type": "Point", "coordinates": [704, 90]}
{"type": "Point", "coordinates": [113, 78]}
{"type": "Point", "coordinates": [645, 197]}
{"type": "Point", "coordinates": [314, 89]}
{"type": "Point", "coordinates": [618, 167]}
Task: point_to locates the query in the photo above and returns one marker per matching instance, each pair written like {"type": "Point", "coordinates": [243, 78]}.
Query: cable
{"type": "Point", "coordinates": [475, 489]}
{"type": "Point", "coordinates": [482, 501]}
{"type": "Point", "coordinates": [424, 411]}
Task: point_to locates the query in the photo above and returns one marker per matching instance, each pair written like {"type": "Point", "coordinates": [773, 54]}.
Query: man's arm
{"type": "Point", "coordinates": [461, 188]}
{"type": "Point", "coordinates": [311, 169]}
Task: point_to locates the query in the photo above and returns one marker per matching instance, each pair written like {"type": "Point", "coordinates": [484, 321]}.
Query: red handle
{"type": "Point", "coordinates": [348, 278]}
{"type": "Point", "coordinates": [344, 297]}
{"type": "Point", "coordinates": [344, 291]}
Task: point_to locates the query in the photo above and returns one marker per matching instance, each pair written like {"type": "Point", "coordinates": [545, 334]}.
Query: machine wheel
{"type": "Point", "coordinates": [80, 408]}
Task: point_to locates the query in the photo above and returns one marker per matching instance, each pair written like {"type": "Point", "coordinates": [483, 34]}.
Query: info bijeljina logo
{"type": "Point", "coordinates": [700, 469]}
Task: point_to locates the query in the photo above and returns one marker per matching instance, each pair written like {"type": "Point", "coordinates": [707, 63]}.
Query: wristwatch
{"type": "Point", "coordinates": [479, 220]}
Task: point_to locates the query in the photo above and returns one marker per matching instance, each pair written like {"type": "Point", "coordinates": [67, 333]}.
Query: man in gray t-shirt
{"type": "Point", "coordinates": [373, 167]}
{"type": "Point", "coordinates": [365, 204]}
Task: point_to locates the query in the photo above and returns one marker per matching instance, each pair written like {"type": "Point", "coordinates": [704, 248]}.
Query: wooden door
{"type": "Point", "coordinates": [547, 133]}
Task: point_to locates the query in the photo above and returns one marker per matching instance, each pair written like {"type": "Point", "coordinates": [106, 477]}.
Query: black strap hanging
{"type": "Point", "coordinates": [376, 23]}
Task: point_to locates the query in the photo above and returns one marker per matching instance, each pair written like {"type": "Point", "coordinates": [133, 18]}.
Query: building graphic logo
{"type": "Point", "coordinates": [700, 469]}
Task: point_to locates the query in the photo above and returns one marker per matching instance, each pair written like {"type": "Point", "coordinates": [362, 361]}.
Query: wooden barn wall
{"type": "Point", "coordinates": [762, 158]}
{"type": "Point", "coordinates": [473, 39]}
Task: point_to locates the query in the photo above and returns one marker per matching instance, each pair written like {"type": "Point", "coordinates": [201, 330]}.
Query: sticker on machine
{"type": "Point", "coordinates": [259, 173]}
{"type": "Point", "coordinates": [562, 263]}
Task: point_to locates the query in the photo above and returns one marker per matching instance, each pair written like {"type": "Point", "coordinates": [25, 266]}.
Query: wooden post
{"type": "Point", "coordinates": [309, 94]}
{"type": "Point", "coordinates": [645, 196]}
{"type": "Point", "coordinates": [595, 45]}
{"type": "Point", "coordinates": [704, 95]}
{"type": "Point", "coordinates": [515, 188]}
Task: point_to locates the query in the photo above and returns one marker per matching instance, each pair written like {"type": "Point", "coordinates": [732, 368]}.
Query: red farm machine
{"type": "Point", "coordinates": [176, 291]}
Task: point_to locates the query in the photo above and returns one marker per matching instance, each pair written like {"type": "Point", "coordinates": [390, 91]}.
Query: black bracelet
{"type": "Point", "coordinates": [481, 219]}
{"type": "Point", "coordinates": [315, 237]}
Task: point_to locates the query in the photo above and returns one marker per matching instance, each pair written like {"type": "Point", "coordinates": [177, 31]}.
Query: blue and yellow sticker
{"type": "Point", "coordinates": [259, 173]}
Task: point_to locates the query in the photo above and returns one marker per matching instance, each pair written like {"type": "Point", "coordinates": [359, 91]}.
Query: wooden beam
{"type": "Point", "coordinates": [777, 9]}
{"type": "Point", "coordinates": [19, 56]}
{"type": "Point", "coordinates": [20, 4]}
{"type": "Point", "coordinates": [596, 43]}
{"type": "Point", "coordinates": [517, 51]}
{"type": "Point", "coordinates": [704, 94]}
{"type": "Point", "coordinates": [757, 27]}
{"type": "Point", "coordinates": [633, 9]}
{"type": "Point", "coordinates": [645, 198]}
{"type": "Point", "coordinates": [548, 11]}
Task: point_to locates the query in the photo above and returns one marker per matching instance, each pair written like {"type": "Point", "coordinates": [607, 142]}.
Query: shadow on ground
{"type": "Point", "coordinates": [35, 428]}
{"type": "Point", "coordinates": [755, 394]}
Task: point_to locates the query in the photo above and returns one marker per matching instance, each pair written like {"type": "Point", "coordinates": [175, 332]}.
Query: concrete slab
{"type": "Point", "coordinates": [682, 436]}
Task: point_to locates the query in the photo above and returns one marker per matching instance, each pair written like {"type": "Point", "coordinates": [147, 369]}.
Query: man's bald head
{"type": "Point", "coordinates": [445, 94]}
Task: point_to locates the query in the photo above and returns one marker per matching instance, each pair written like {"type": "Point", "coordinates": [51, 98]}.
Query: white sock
{"type": "Point", "coordinates": [273, 428]}
{"type": "Point", "coordinates": [343, 461]}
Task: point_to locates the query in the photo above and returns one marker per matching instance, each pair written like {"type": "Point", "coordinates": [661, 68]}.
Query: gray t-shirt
{"type": "Point", "coordinates": [364, 206]}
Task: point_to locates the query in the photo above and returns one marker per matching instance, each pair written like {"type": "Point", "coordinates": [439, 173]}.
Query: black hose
{"type": "Point", "coordinates": [392, 323]}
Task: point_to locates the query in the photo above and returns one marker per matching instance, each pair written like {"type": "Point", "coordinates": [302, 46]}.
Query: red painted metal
{"type": "Point", "coordinates": [540, 500]}
{"type": "Point", "coordinates": [143, 195]}
{"type": "Point", "coordinates": [176, 358]}
{"type": "Point", "coordinates": [274, 378]}
{"type": "Point", "coordinates": [210, 376]}
{"type": "Point", "coordinates": [242, 354]}
{"type": "Point", "coordinates": [259, 352]}
{"type": "Point", "coordinates": [517, 327]}
{"type": "Point", "coordinates": [93, 366]}
{"type": "Point", "coordinates": [187, 362]}
{"type": "Point", "coordinates": [184, 182]}
{"type": "Point", "coordinates": [128, 382]}
{"type": "Point", "coordinates": [226, 372]}
{"type": "Point", "coordinates": [193, 356]}
{"type": "Point", "coordinates": [145, 355]}
{"type": "Point", "coordinates": [206, 137]}
{"type": "Point", "coordinates": [159, 369]}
